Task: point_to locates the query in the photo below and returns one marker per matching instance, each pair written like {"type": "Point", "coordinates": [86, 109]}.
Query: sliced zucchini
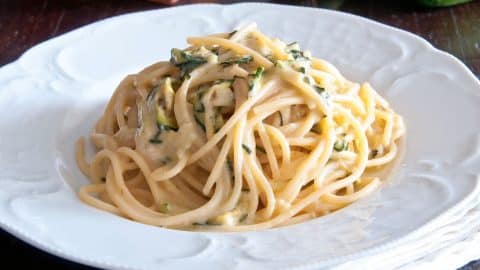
{"type": "Point", "coordinates": [219, 121]}
{"type": "Point", "coordinates": [237, 60]}
{"type": "Point", "coordinates": [164, 121]}
{"type": "Point", "coordinates": [178, 56]}
{"type": "Point", "coordinates": [340, 145]}
{"type": "Point", "coordinates": [168, 94]}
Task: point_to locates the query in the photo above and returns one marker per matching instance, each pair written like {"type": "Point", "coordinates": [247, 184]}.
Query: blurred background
{"type": "Point", "coordinates": [450, 25]}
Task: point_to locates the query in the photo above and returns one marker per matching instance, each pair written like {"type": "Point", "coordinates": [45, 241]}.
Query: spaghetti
{"type": "Point", "coordinates": [237, 132]}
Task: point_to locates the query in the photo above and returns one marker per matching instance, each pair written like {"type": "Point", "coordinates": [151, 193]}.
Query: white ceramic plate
{"type": "Point", "coordinates": [56, 91]}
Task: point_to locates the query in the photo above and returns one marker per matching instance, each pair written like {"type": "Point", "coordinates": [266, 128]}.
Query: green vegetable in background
{"type": "Point", "coordinates": [330, 4]}
{"type": "Point", "coordinates": [442, 3]}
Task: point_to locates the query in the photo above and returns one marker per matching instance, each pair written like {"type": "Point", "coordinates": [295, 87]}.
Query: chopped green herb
{"type": "Point", "coordinates": [340, 145]}
{"type": "Point", "coordinates": [302, 70]}
{"type": "Point", "coordinates": [321, 91]}
{"type": "Point", "coordinates": [271, 58]}
{"type": "Point", "coordinates": [280, 64]}
{"type": "Point", "coordinates": [155, 138]}
{"type": "Point", "coordinates": [237, 60]}
{"type": "Point", "coordinates": [317, 129]}
{"type": "Point", "coordinates": [232, 33]}
{"type": "Point", "coordinates": [261, 149]}
{"type": "Point", "coordinates": [297, 54]}
{"type": "Point", "coordinates": [229, 164]}
{"type": "Point", "coordinates": [281, 118]}
{"type": "Point", "coordinates": [185, 61]}
{"type": "Point", "coordinates": [199, 224]}
{"type": "Point", "coordinates": [164, 207]}
{"type": "Point", "coordinates": [243, 218]}
{"type": "Point", "coordinates": [155, 141]}
{"type": "Point", "coordinates": [374, 153]}
{"type": "Point", "coordinates": [292, 44]}
{"type": "Point", "coordinates": [259, 72]}
{"type": "Point", "coordinates": [246, 148]}
{"type": "Point", "coordinates": [178, 56]}
{"type": "Point", "coordinates": [306, 80]}
{"type": "Point", "coordinates": [198, 107]}
{"type": "Point", "coordinates": [165, 160]}
{"type": "Point", "coordinates": [251, 84]}
{"type": "Point", "coordinates": [222, 81]}
{"type": "Point", "coordinates": [163, 127]}
{"type": "Point", "coordinates": [256, 77]}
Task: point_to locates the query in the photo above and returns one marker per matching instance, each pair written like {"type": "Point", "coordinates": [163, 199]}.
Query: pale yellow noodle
{"type": "Point", "coordinates": [282, 138]}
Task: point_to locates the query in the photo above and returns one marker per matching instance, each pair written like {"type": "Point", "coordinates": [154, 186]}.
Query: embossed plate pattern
{"type": "Point", "coordinates": [55, 92]}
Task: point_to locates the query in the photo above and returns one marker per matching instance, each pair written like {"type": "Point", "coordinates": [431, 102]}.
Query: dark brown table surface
{"type": "Point", "coordinates": [24, 23]}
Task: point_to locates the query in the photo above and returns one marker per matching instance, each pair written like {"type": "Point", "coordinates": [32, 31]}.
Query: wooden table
{"type": "Point", "coordinates": [24, 23]}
